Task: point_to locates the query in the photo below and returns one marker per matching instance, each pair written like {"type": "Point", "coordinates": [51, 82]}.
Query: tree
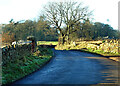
{"type": "Point", "coordinates": [21, 30]}
{"type": "Point", "coordinates": [67, 14]}
{"type": "Point", "coordinates": [102, 30]}
{"type": "Point", "coordinates": [11, 21]}
{"type": "Point", "coordinates": [84, 30]}
{"type": "Point", "coordinates": [44, 31]}
{"type": "Point", "coordinates": [8, 37]}
{"type": "Point", "coordinates": [87, 29]}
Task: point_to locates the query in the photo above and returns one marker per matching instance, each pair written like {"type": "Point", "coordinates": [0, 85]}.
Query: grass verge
{"type": "Point", "coordinates": [20, 68]}
{"type": "Point", "coordinates": [101, 52]}
{"type": "Point", "coordinates": [113, 56]}
{"type": "Point", "coordinates": [83, 48]}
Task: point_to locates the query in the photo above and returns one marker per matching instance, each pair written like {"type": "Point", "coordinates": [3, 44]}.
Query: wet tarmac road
{"type": "Point", "coordinates": [74, 67]}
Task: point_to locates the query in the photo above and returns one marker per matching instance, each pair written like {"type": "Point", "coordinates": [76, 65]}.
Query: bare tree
{"type": "Point", "coordinates": [67, 14]}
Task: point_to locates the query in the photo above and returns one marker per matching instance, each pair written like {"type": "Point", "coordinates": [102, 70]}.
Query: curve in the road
{"type": "Point", "coordinates": [74, 67]}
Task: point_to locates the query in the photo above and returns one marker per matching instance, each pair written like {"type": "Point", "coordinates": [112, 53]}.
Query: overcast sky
{"type": "Point", "coordinates": [105, 11]}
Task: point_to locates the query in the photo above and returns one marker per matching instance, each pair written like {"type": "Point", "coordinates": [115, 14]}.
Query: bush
{"type": "Point", "coordinates": [8, 37]}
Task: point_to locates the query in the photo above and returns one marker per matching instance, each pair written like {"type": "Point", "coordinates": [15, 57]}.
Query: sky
{"type": "Point", "coordinates": [104, 11]}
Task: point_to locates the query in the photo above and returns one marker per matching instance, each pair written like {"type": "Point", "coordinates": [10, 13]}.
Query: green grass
{"type": "Point", "coordinates": [20, 68]}
{"type": "Point", "coordinates": [47, 42]}
{"type": "Point", "coordinates": [101, 52]}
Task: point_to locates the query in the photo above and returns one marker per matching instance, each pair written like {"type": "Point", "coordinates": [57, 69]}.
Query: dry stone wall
{"type": "Point", "coordinates": [112, 46]}
{"type": "Point", "coordinates": [12, 53]}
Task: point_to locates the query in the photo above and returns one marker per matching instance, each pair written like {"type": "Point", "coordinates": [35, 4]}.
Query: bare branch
{"type": "Point", "coordinates": [69, 14]}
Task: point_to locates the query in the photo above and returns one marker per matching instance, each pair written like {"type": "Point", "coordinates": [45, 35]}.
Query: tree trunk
{"type": "Point", "coordinates": [61, 39]}
{"type": "Point", "coordinates": [68, 33]}
{"type": "Point", "coordinates": [67, 39]}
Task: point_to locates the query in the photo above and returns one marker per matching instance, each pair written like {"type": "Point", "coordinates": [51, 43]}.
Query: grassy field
{"type": "Point", "coordinates": [14, 71]}
{"type": "Point", "coordinates": [47, 42]}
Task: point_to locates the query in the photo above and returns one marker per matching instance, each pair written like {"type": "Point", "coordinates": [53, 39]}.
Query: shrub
{"type": "Point", "coordinates": [8, 37]}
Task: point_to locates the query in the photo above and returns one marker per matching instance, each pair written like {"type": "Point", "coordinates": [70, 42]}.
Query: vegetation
{"type": "Point", "coordinates": [101, 52]}
{"type": "Point", "coordinates": [69, 14]}
{"type": "Point", "coordinates": [63, 22]}
{"type": "Point", "coordinates": [14, 71]}
{"type": "Point", "coordinates": [73, 21]}
{"type": "Point", "coordinates": [47, 42]}
{"type": "Point", "coordinates": [95, 31]}
{"type": "Point", "coordinates": [100, 47]}
{"type": "Point", "coordinates": [7, 37]}
{"type": "Point", "coordinates": [21, 30]}
{"type": "Point", "coordinates": [113, 56]}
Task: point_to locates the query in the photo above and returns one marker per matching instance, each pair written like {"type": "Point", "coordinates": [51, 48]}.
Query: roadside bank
{"type": "Point", "coordinates": [109, 49]}
{"type": "Point", "coordinates": [18, 69]}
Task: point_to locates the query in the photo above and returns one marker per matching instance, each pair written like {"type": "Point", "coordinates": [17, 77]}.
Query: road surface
{"type": "Point", "coordinates": [75, 67]}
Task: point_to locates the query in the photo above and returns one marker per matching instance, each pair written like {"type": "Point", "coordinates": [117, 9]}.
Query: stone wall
{"type": "Point", "coordinates": [12, 53]}
{"type": "Point", "coordinates": [111, 46]}
{"type": "Point", "coordinates": [108, 46]}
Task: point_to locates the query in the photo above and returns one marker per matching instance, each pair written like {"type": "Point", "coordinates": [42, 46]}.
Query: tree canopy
{"type": "Point", "coordinates": [63, 21]}
{"type": "Point", "coordinates": [40, 29]}
{"type": "Point", "coordinates": [67, 14]}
